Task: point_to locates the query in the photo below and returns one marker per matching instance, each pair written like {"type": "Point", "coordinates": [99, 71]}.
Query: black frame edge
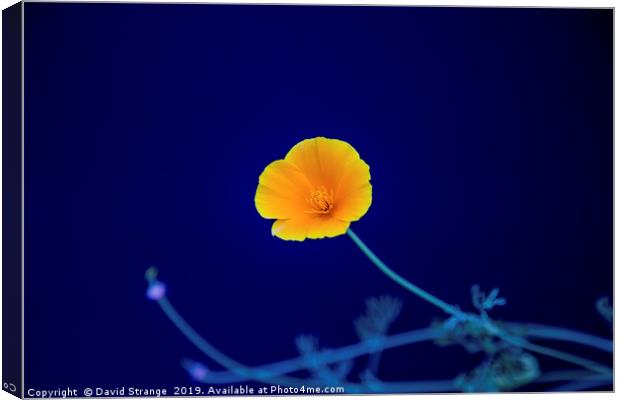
{"type": "Point", "coordinates": [12, 335]}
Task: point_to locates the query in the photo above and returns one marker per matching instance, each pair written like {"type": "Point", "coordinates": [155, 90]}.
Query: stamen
{"type": "Point", "coordinates": [321, 200]}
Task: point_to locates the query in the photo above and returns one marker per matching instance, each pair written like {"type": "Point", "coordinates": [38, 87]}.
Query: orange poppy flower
{"type": "Point", "coordinates": [316, 191]}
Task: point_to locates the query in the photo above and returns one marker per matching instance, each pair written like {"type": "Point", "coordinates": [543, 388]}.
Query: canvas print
{"type": "Point", "coordinates": [214, 199]}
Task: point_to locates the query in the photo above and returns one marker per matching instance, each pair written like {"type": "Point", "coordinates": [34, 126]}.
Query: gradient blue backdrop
{"type": "Point", "coordinates": [488, 133]}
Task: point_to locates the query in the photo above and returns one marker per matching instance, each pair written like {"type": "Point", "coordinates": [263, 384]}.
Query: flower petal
{"type": "Point", "coordinates": [326, 226]}
{"type": "Point", "coordinates": [322, 160]}
{"type": "Point", "coordinates": [281, 191]}
{"type": "Point", "coordinates": [290, 229]}
{"type": "Point", "coordinates": [356, 175]}
{"type": "Point", "coordinates": [311, 227]}
{"type": "Point", "coordinates": [355, 204]}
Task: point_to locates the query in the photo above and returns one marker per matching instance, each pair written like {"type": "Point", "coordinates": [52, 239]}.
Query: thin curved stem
{"type": "Point", "coordinates": [275, 373]}
{"type": "Point", "coordinates": [516, 341]}
{"type": "Point", "coordinates": [563, 334]}
{"type": "Point", "coordinates": [330, 356]}
{"type": "Point", "coordinates": [239, 372]}
{"type": "Point", "coordinates": [216, 355]}
{"type": "Point", "coordinates": [197, 340]}
{"type": "Point", "coordinates": [421, 293]}
{"type": "Point", "coordinates": [560, 355]}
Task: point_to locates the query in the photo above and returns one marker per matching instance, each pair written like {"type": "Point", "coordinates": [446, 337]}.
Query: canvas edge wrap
{"type": "Point", "coordinates": [12, 200]}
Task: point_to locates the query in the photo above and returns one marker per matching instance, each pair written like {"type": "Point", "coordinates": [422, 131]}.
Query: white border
{"type": "Point", "coordinates": [452, 3]}
{"type": "Point", "coordinates": [465, 3]}
{"type": "Point", "coordinates": [23, 241]}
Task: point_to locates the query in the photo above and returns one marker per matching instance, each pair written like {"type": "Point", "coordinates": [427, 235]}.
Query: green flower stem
{"type": "Point", "coordinates": [538, 331]}
{"type": "Point", "coordinates": [516, 341]}
{"type": "Point", "coordinates": [275, 373]}
{"type": "Point", "coordinates": [209, 350]}
{"type": "Point", "coordinates": [198, 341]}
{"type": "Point", "coordinates": [560, 355]}
{"type": "Point", "coordinates": [269, 372]}
{"type": "Point", "coordinates": [423, 294]}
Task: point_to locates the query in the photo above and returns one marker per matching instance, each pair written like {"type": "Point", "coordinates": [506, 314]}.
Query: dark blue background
{"type": "Point", "coordinates": [488, 133]}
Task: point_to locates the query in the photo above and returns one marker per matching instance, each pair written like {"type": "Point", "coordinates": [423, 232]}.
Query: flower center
{"type": "Point", "coordinates": [321, 200]}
